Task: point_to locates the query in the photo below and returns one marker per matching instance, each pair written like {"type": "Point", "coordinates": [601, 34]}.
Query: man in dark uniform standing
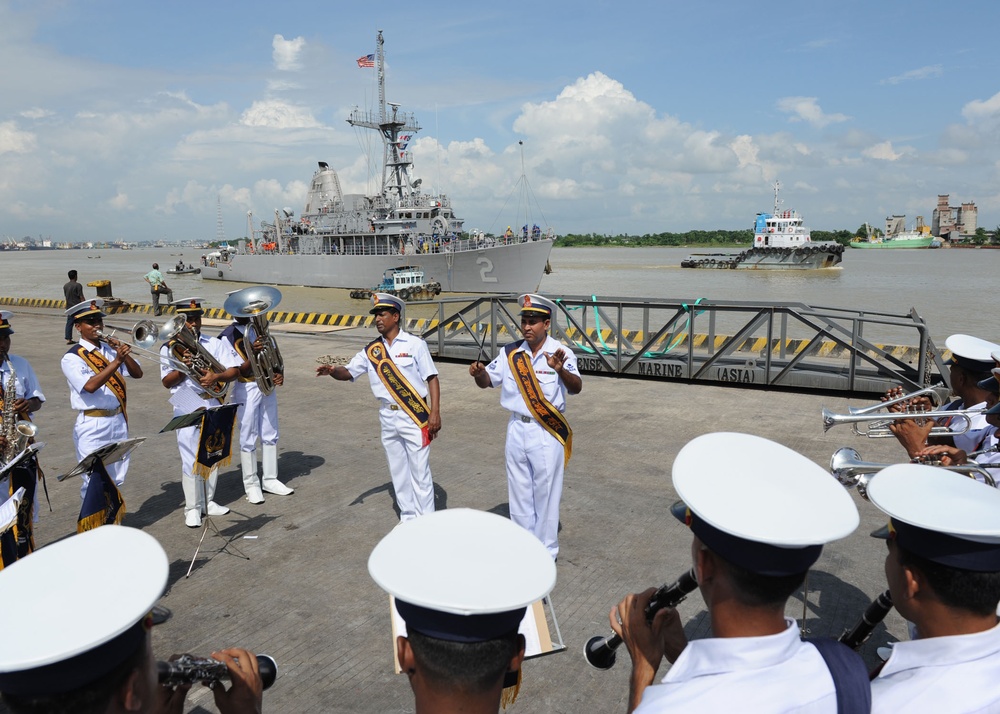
{"type": "Point", "coordinates": [73, 292]}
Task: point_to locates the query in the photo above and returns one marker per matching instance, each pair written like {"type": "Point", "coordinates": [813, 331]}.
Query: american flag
{"type": "Point", "coordinates": [366, 61]}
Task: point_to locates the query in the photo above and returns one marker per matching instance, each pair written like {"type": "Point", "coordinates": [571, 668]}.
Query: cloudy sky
{"type": "Point", "coordinates": [131, 120]}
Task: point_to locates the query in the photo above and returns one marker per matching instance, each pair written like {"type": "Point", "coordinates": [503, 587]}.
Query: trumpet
{"type": "Point", "coordinates": [879, 423]}
{"type": "Point", "coordinates": [254, 303]}
{"type": "Point", "coordinates": [189, 670]}
{"type": "Point", "coordinates": [600, 651]}
{"type": "Point", "coordinates": [848, 468]}
{"type": "Point", "coordinates": [862, 630]}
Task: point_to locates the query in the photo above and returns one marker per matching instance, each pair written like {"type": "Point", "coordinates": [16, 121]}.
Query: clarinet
{"type": "Point", "coordinates": [188, 670]}
{"type": "Point", "coordinates": [874, 614]}
{"type": "Point", "coordinates": [600, 651]}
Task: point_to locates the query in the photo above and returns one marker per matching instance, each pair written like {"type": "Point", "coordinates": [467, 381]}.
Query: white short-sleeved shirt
{"type": "Point", "coordinates": [978, 428]}
{"type": "Point", "coordinates": [26, 382]}
{"type": "Point", "coordinates": [78, 373]}
{"type": "Point", "coordinates": [751, 675]}
{"type": "Point", "coordinates": [553, 388]}
{"type": "Point", "coordinates": [956, 674]}
{"type": "Point", "coordinates": [220, 349]}
{"type": "Point", "coordinates": [410, 354]}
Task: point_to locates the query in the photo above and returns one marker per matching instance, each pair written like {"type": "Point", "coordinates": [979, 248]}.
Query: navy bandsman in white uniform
{"type": "Point", "coordinates": [534, 376]}
{"type": "Point", "coordinates": [26, 399]}
{"type": "Point", "coordinates": [95, 370]}
{"type": "Point", "coordinates": [970, 363]}
{"type": "Point", "coordinates": [986, 451]}
{"type": "Point", "coordinates": [187, 438]}
{"type": "Point", "coordinates": [461, 582]}
{"type": "Point", "coordinates": [757, 529]}
{"type": "Point", "coordinates": [100, 660]}
{"type": "Point", "coordinates": [258, 418]}
{"type": "Point", "coordinates": [404, 380]}
{"type": "Point", "coordinates": [943, 570]}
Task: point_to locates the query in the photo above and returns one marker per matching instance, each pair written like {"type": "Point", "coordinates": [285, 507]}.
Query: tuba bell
{"type": "Point", "coordinates": [182, 341]}
{"type": "Point", "coordinates": [254, 303]}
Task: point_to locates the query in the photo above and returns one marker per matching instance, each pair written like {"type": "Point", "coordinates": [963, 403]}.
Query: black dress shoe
{"type": "Point", "coordinates": [160, 614]}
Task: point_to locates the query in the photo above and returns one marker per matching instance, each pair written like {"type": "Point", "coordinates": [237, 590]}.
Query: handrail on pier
{"type": "Point", "coordinates": [772, 344]}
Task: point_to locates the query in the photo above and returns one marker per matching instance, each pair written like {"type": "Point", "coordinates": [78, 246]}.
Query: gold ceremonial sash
{"type": "Point", "coordinates": [540, 407]}
{"type": "Point", "coordinates": [402, 391]}
{"type": "Point", "coordinates": [97, 362]}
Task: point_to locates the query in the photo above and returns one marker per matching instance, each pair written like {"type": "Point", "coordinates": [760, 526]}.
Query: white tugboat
{"type": "Point", "coordinates": [346, 240]}
{"type": "Point", "coordinates": [780, 242]}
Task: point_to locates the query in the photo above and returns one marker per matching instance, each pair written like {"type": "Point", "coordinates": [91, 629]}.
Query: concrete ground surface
{"type": "Point", "coordinates": [305, 597]}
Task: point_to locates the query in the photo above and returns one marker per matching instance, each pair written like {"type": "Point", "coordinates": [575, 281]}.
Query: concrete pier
{"type": "Point", "coordinates": [305, 596]}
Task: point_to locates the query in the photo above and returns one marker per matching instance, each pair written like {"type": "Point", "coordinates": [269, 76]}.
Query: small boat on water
{"type": "Point", "coordinates": [780, 242]}
{"type": "Point", "coordinates": [897, 236]}
{"type": "Point", "coordinates": [181, 269]}
{"type": "Point", "coordinates": [343, 240]}
{"type": "Point", "coordinates": [406, 281]}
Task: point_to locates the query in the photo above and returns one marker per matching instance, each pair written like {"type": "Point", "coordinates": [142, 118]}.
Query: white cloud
{"type": "Point", "coordinates": [15, 141]}
{"type": "Point", "coordinates": [934, 70]}
{"type": "Point", "coordinates": [287, 53]}
{"type": "Point", "coordinates": [882, 151]}
{"type": "Point", "coordinates": [36, 113]}
{"type": "Point", "coordinates": [119, 202]}
{"type": "Point", "coordinates": [807, 109]}
{"type": "Point", "coordinates": [980, 110]}
{"type": "Point", "coordinates": [278, 115]}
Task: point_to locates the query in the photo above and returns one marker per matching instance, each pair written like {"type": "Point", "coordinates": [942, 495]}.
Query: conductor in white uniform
{"type": "Point", "coordinates": [404, 380]}
{"type": "Point", "coordinates": [539, 440]}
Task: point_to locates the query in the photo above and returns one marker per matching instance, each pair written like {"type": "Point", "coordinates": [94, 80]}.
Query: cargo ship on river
{"type": "Point", "coordinates": [349, 240]}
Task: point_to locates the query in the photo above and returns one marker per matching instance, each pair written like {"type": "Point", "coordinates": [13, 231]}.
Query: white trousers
{"type": "Point", "coordinates": [187, 444]}
{"type": "Point", "coordinates": [257, 416]}
{"type": "Point", "coordinates": [534, 480]}
{"type": "Point", "coordinates": [91, 433]}
{"type": "Point", "coordinates": [408, 463]}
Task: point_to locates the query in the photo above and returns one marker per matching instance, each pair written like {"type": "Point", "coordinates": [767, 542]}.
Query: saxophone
{"type": "Point", "coordinates": [17, 432]}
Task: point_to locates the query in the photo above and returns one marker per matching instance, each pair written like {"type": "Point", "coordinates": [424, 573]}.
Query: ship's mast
{"type": "Point", "coordinates": [395, 161]}
{"type": "Point", "coordinates": [777, 201]}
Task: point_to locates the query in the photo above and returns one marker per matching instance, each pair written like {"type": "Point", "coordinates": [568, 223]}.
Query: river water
{"type": "Point", "coordinates": [945, 286]}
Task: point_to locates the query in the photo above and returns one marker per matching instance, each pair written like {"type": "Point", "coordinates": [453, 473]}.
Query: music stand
{"type": "Point", "coordinates": [108, 454]}
{"type": "Point", "coordinates": [181, 422]}
{"type": "Point", "coordinates": [25, 453]}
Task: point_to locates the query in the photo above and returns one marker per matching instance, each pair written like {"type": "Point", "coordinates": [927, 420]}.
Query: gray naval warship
{"type": "Point", "coordinates": [350, 240]}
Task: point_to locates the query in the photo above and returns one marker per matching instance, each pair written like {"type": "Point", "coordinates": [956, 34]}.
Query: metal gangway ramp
{"type": "Point", "coordinates": [737, 343]}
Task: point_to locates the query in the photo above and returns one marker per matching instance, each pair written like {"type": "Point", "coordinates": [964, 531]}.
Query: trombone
{"type": "Point", "coordinates": [145, 334]}
{"type": "Point", "coordinates": [848, 468]}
